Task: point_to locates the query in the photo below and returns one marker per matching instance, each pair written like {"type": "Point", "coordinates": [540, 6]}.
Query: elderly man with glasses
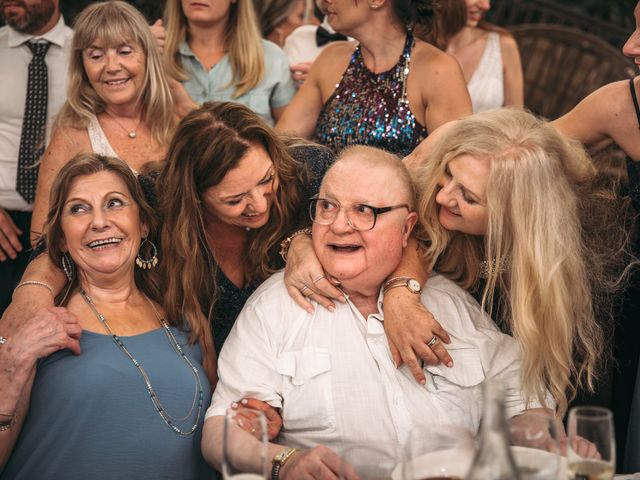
{"type": "Point", "coordinates": [331, 373]}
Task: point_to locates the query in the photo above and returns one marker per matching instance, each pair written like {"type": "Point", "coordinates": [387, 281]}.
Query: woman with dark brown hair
{"type": "Point", "coordinates": [228, 194]}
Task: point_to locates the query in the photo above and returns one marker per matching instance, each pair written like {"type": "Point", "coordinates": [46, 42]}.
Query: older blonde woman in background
{"type": "Point", "coordinates": [118, 100]}
{"type": "Point", "coordinates": [132, 404]}
{"type": "Point", "coordinates": [215, 49]}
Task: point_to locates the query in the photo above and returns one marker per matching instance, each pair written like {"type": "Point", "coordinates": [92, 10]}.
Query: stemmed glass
{"type": "Point", "coordinates": [591, 452]}
{"type": "Point", "coordinates": [535, 447]}
{"type": "Point", "coordinates": [245, 456]}
{"type": "Point", "coordinates": [368, 461]}
{"type": "Point", "coordinates": [437, 452]}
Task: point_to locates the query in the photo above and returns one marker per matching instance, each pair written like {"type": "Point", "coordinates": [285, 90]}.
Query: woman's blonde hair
{"type": "Point", "coordinates": [112, 24]}
{"type": "Point", "coordinates": [554, 245]}
{"type": "Point", "coordinates": [209, 142]}
{"type": "Point", "coordinates": [242, 41]}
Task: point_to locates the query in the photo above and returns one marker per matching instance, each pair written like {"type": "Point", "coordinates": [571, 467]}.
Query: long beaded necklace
{"type": "Point", "coordinates": [198, 396]}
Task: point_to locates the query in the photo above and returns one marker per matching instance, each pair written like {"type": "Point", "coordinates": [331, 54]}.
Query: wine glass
{"type": "Point", "coordinates": [368, 461]}
{"type": "Point", "coordinates": [436, 452]}
{"type": "Point", "coordinates": [591, 449]}
{"type": "Point", "coordinates": [535, 448]}
{"type": "Point", "coordinates": [245, 445]}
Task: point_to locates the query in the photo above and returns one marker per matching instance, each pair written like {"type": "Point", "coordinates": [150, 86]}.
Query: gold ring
{"type": "Point", "coordinates": [319, 278]}
{"type": "Point", "coordinates": [304, 289]}
{"type": "Point", "coordinates": [432, 342]}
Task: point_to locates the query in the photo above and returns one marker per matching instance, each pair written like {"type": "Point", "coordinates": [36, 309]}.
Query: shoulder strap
{"type": "Point", "coordinates": [635, 100]}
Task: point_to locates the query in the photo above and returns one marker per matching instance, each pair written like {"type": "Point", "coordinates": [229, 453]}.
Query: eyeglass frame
{"type": "Point", "coordinates": [376, 211]}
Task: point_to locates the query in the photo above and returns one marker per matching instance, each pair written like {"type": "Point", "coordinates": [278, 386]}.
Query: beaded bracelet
{"type": "Point", "coordinates": [35, 282]}
{"type": "Point", "coordinates": [286, 243]}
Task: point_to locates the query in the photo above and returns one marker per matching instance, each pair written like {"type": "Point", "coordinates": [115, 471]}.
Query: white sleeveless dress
{"type": "Point", "coordinates": [486, 86]}
{"type": "Point", "coordinates": [99, 141]}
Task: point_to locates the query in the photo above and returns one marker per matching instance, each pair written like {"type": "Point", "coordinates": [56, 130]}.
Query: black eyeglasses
{"type": "Point", "coordinates": [360, 217]}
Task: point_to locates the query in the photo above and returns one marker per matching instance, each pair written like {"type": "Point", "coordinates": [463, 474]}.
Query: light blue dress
{"type": "Point", "coordinates": [91, 417]}
{"type": "Point", "coordinates": [274, 91]}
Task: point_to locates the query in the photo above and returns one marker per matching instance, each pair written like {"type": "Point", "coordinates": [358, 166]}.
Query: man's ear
{"type": "Point", "coordinates": [407, 228]}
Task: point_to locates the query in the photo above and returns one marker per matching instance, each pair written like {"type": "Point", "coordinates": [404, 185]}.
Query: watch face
{"type": "Point", "coordinates": [413, 285]}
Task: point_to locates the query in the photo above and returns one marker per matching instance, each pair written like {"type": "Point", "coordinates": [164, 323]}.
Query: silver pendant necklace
{"type": "Point", "coordinates": [132, 134]}
{"type": "Point", "coordinates": [198, 395]}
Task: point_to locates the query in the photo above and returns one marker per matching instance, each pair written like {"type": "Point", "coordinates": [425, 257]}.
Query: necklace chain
{"type": "Point", "coordinates": [198, 396]}
{"type": "Point", "coordinates": [132, 134]}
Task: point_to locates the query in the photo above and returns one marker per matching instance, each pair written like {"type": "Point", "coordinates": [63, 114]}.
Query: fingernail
{"type": "Point", "coordinates": [450, 364]}
{"type": "Point", "coordinates": [234, 405]}
{"type": "Point", "coordinates": [310, 311]}
{"type": "Point", "coordinates": [342, 298]}
{"type": "Point", "coordinates": [331, 308]}
{"type": "Point", "coordinates": [244, 401]}
{"type": "Point", "coordinates": [423, 382]}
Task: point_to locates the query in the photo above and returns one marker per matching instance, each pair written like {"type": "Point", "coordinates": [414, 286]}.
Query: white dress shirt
{"type": "Point", "coordinates": [15, 56]}
{"type": "Point", "coordinates": [300, 46]}
{"type": "Point", "coordinates": [333, 376]}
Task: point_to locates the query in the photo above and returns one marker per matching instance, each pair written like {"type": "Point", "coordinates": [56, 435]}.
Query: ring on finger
{"type": "Point", "coordinates": [432, 342]}
{"type": "Point", "coordinates": [319, 278]}
{"type": "Point", "coordinates": [304, 289]}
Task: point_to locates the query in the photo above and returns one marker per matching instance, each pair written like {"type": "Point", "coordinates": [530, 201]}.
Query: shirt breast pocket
{"type": "Point", "coordinates": [459, 387]}
{"type": "Point", "coordinates": [307, 396]}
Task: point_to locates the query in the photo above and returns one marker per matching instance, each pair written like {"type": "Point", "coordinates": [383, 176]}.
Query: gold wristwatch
{"type": "Point", "coordinates": [279, 460]}
{"type": "Point", "coordinates": [409, 283]}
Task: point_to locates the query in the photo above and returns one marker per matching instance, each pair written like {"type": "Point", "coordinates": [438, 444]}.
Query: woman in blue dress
{"type": "Point", "coordinates": [111, 387]}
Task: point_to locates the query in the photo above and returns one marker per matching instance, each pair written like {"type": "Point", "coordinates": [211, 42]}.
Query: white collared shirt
{"type": "Point", "coordinates": [300, 46]}
{"type": "Point", "coordinates": [15, 56]}
{"type": "Point", "coordinates": [333, 376]}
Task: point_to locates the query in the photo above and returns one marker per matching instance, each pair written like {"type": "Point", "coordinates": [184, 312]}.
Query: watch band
{"type": "Point", "coordinates": [279, 460]}
{"type": "Point", "coordinates": [409, 283]}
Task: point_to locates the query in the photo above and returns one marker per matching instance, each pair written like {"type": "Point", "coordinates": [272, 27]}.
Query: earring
{"type": "Point", "coordinates": [147, 263]}
{"type": "Point", "coordinates": [68, 266]}
{"type": "Point", "coordinates": [374, 6]}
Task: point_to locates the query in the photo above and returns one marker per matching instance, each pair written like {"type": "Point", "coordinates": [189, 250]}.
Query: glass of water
{"type": "Point", "coordinates": [245, 446]}
{"type": "Point", "coordinates": [591, 449]}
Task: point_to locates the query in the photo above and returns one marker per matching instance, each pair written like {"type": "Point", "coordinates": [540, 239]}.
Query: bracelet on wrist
{"type": "Point", "coordinates": [286, 243]}
{"type": "Point", "coordinates": [36, 283]}
{"type": "Point", "coordinates": [409, 283]}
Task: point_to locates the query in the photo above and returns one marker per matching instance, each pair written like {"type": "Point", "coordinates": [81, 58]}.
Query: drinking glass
{"type": "Point", "coordinates": [368, 461]}
{"type": "Point", "coordinates": [437, 452]}
{"type": "Point", "coordinates": [591, 450]}
{"type": "Point", "coordinates": [245, 446]}
{"type": "Point", "coordinates": [535, 448]}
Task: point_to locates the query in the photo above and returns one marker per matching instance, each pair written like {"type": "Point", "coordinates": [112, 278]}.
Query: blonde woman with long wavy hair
{"type": "Point", "coordinates": [215, 49]}
{"type": "Point", "coordinates": [118, 99]}
{"type": "Point", "coordinates": [515, 211]}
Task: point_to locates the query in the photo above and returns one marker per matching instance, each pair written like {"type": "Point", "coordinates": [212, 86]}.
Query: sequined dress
{"type": "Point", "coordinates": [371, 108]}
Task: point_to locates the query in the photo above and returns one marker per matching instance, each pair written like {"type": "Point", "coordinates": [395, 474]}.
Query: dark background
{"type": "Point", "coordinates": [616, 11]}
